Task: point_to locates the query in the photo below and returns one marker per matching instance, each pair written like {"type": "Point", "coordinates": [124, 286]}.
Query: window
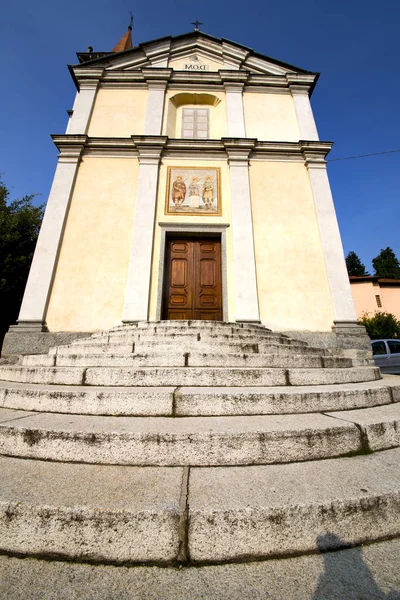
{"type": "Point", "coordinates": [394, 347]}
{"type": "Point", "coordinates": [195, 123]}
{"type": "Point", "coordinates": [378, 301]}
{"type": "Point", "coordinates": [378, 348]}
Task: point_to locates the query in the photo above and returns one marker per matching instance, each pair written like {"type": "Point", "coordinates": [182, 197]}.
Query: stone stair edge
{"type": "Point", "coordinates": [187, 376]}
{"type": "Point", "coordinates": [193, 401]}
{"type": "Point", "coordinates": [200, 440]}
{"type": "Point", "coordinates": [220, 514]}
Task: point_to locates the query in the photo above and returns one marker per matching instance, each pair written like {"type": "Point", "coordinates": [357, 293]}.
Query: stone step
{"type": "Point", "coordinates": [280, 510]}
{"type": "Point", "coordinates": [184, 359]}
{"type": "Point", "coordinates": [184, 334]}
{"type": "Point", "coordinates": [201, 346]}
{"type": "Point", "coordinates": [186, 376]}
{"type": "Point", "coordinates": [193, 326]}
{"type": "Point", "coordinates": [167, 515]}
{"type": "Point", "coordinates": [292, 578]}
{"type": "Point", "coordinates": [197, 401]}
{"type": "Point", "coordinates": [197, 441]}
{"type": "Point", "coordinates": [162, 441]}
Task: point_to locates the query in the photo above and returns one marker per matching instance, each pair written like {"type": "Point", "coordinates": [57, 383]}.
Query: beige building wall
{"type": "Point", "coordinates": [118, 113]}
{"type": "Point", "coordinates": [270, 117]}
{"type": "Point", "coordinates": [198, 220]}
{"type": "Point", "coordinates": [292, 283]}
{"type": "Point", "coordinates": [90, 280]}
{"type": "Point", "coordinates": [364, 295]}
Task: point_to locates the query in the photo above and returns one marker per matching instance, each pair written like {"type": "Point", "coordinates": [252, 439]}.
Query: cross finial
{"type": "Point", "coordinates": [196, 25]}
{"type": "Point", "coordinates": [131, 22]}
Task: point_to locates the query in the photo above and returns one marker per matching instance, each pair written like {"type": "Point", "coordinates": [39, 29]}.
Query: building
{"type": "Point", "coordinates": [372, 293]}
{"type": "Point", "coordinates": [191, 184]}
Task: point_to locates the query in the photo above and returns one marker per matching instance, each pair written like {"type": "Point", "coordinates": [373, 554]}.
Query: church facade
{"type": "Point", "coordinates": [191, 184]}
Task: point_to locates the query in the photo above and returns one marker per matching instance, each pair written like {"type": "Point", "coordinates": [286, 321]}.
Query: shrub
{"type": "Point", "coordinates": [381, 325]}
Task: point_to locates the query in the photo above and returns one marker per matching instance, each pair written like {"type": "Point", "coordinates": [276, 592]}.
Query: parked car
{"type": "Point", "coordinates": [387, 355]}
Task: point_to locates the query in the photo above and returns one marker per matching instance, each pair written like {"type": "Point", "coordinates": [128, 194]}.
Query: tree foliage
{"type": "Point", "coordinates": [386, 264]}
{"type": "Point", "coordinates": [381, 325]}
{"type": "Point", "coordinates": [19, 227]}
{"type": "Point", "coordinates": [354, 265]}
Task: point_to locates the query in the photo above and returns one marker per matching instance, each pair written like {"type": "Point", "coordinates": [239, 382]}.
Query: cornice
{"type": "Point", "coordinates": [224, 78]}
{"type": "Point", "coordinates": [311, 153]}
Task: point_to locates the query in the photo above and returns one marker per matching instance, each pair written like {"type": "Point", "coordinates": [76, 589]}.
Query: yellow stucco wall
{"type": "Point", "coordinates": [90, 281]}
{"type": "Point", "coordinates": [364, 296]}
{"type": "Point", "coordinates": [291, 277]}
{"type": "Point", "coordinates": [172, 121]}
{"type": "Point", "coordinates": [198, 220]}
{"type": "Point", "coordinates": [270, 117]}
{"type": "Point", "coordinates": [118, 113]}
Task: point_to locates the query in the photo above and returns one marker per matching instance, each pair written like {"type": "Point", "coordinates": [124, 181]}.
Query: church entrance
{"type": "Point", "coordinates": [192, 285]}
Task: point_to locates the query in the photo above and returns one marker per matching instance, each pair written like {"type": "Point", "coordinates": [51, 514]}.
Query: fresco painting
{"type": "Point", "coordinates": [193, 191]}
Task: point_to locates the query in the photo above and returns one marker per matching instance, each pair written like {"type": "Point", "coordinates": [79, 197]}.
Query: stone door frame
{"type": "Point", "coordinates": [193, 230]}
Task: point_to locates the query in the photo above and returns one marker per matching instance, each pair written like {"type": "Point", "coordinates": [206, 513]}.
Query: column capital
{"type": "Point", "coordinates": [314, 157]}
{"type": "Point", "coordinates": [233, 79]}
{"type": "Point", "coordinates": [314, 160]}
{"type": "Point", "coordinates": [70, 147]}
{"type": "Point", "coordinates": [157, 84]}
{"type": "Point", "coordinates": [232, 87]}
{"type": "Point", "coordinates": [302, 81]}
{"type": "Point", "coordinates": [87, 78]}
{"type": "Point", "coordinates": [151, 74]}
{"type": "Point", "coordinates": [238, 150]}
{"type": "Point", "coordinates": [150, 147]}
{"type": "Point", "coordinates": [299, 90]}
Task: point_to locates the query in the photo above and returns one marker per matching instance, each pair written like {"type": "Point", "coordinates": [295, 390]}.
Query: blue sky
{"type": "Point", "coordinates": [354, 44]}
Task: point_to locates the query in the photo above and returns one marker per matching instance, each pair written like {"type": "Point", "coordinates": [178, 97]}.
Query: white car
{"type": "Point", "coordinates": [386, 355]}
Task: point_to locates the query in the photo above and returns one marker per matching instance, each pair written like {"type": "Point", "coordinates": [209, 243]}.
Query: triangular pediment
{"type": "Point", "coordinates": [194, 51]}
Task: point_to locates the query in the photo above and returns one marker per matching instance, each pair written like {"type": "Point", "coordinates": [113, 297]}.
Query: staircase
{"type": "Point", "coordinates": [193, 443]}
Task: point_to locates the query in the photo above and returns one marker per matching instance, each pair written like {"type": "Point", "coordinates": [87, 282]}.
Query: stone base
{"type": "Point", "coordinates": [33, 338]}
{"type": "Point", "coordinates": [347, 338]}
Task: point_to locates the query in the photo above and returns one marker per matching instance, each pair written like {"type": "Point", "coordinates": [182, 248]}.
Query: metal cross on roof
{"type": "Point", "coordinates": [196, 25]}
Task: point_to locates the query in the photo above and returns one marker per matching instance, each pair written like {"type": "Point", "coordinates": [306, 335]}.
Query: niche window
{"type": "Point", "coordinates": [195, 123]}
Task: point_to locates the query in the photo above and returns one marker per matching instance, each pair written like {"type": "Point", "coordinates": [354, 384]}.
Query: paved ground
{"type": "Point", "coordinates": [367, 573]}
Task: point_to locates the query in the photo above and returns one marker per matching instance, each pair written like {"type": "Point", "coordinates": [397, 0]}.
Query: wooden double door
{"type": "Point", "coordinates": [192, 285]}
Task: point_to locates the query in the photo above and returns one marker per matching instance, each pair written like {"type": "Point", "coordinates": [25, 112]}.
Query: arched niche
{"type": "Point", "coordinates": [186, 99]}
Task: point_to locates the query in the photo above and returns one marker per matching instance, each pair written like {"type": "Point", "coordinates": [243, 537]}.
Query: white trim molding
{"type": "Point", "coordinates": [342, 299]}
{"type": "Point", "coordinates": [37, 290]}
{"type": "Point", "coordinates": [137, 295]}
{"type": "Point", "coordinates": [193, 229]}
{"type": "Point", "coordinates": [245, 278]}
{"type": "Point", "coordinates": [304, 113]}
{"type": "Point", "coordinates": [234, 109]}
{"type": "Point", "coordinates": [78, 123]}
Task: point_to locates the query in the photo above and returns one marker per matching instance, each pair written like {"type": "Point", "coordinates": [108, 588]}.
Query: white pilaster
{"type": "Point", "coordinates": [83, 107]}
{"type": "Point", "coordinates": [137, 294]}
{"type": "Point", "coordinates": [155, 108]}
{"type": "Point", "coordinates": [234, 108]}
{"type": "Point", "coordinates": [245, 279]}
{"type": "Point", "coordinates": [342, 299]}
{"type": "Point", "coordinates": [34, 303]}
{"type": "Point", "coordinates": [304, 113]}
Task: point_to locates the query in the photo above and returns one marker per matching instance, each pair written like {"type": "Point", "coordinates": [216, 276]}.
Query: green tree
{"type": "Point", "coordinates": [386, 264]}
{"type": "Point", "coordinates": [381, 325]}
{"type": "Point", "coordinates": [354, 265]}
{"type": "Point", "coordinates": [19, 227]}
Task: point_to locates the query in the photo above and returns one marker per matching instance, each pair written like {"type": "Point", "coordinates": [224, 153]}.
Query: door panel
{"type": "Point", "coordinates": [193, 288]}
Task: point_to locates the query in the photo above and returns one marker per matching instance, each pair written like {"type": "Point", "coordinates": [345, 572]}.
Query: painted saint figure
{"type": "Point", "coordinates": [194, 192]}
{"type": "Point", "coordinates": [208, 192]}
{"type": "Point", "coordinates": [178, 191]}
